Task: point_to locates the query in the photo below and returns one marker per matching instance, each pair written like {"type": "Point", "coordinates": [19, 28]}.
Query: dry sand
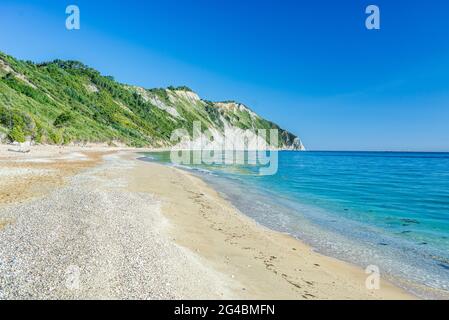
{"type": "Point", "coordinates": [91, 238]}
{"type": "Point", "coordinates": [27, 175]}
{"type": "Point", "coordinates": [205, 248]}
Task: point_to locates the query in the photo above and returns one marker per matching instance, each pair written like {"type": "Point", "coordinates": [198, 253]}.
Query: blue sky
{"type": "Point", "coordinates": [310, 66]}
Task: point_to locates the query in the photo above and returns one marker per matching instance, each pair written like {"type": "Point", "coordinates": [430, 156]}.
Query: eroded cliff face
{"type": "Point", "coordinates": [230, 121]}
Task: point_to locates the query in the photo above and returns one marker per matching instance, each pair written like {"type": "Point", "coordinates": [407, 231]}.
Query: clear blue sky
{"type": "Point", "coordinates": [310, 66]}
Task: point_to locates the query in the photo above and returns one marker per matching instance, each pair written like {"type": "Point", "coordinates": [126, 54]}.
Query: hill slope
{"type": "Point", "coordinates": [61, 102]}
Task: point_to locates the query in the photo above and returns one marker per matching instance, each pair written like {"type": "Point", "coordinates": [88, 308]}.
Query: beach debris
{"type": "Point", "coordinates": [23, 147]}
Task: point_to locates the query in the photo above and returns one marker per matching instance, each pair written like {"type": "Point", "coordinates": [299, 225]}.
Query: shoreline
{"type": "Point", "coordinates": [413, 288]}
{"type": "Point", "coordinates": [239, 246]}
{"type": "Point", "coordinates": [228, 255]}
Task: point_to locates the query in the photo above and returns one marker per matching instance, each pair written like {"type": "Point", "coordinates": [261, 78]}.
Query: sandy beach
{"type": "Point", "coordinates": [87, 223]}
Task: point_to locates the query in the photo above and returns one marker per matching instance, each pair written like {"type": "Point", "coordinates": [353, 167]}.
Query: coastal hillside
{"type": "Point", "coordinates": [64, 102]}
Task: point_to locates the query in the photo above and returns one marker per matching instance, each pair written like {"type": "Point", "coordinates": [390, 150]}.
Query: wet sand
{"type": "Point", "coordinates": [266, 264]}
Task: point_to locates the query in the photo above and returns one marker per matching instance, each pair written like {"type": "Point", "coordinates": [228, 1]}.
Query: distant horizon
{"type": "Point", "coordinates": [314, 69]}
{"type": "Point", "coordinates": [195, 91]}
{"type": "Point", "coordinates": [373, 151]}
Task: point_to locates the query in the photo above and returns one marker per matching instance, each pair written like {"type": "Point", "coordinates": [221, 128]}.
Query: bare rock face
{"type": "Point", "coordinates": [297, 145]}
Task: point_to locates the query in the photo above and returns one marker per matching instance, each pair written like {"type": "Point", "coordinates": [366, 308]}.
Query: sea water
{"type": "Point", "coordinates": [386, 209]}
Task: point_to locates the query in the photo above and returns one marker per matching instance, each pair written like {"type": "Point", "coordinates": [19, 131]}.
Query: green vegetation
{"type": "Point", "coordinates": [61, 102]}
{"type": "Point", "coordinates": [64, 119]}
{"type": "Point", "coordinates": [16, 134]}
{"type": "Point", "coordinates": [180, 88]}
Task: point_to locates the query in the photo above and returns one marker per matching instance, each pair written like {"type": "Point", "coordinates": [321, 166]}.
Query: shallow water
{"type": "Point", "coordinates": [370, 208]}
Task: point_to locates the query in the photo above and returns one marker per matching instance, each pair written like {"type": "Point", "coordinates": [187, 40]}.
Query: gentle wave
{"type": "Point", "coordinates": [386, 209]}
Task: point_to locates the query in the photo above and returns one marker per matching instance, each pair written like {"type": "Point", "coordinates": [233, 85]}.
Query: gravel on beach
{"type": "Point", "coordinates": [93, 239]}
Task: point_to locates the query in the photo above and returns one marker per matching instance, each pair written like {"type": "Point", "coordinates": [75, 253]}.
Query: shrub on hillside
{"type": "Point", "coordinates": [16, 134]}
{"type": "Point", "coordinates": [63, 120]}
{"type": "Point", "coordinates": [55, 137]}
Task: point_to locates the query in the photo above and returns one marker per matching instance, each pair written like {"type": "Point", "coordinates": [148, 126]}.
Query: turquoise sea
{"type": "Point", "coordinates": [387, 209]}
